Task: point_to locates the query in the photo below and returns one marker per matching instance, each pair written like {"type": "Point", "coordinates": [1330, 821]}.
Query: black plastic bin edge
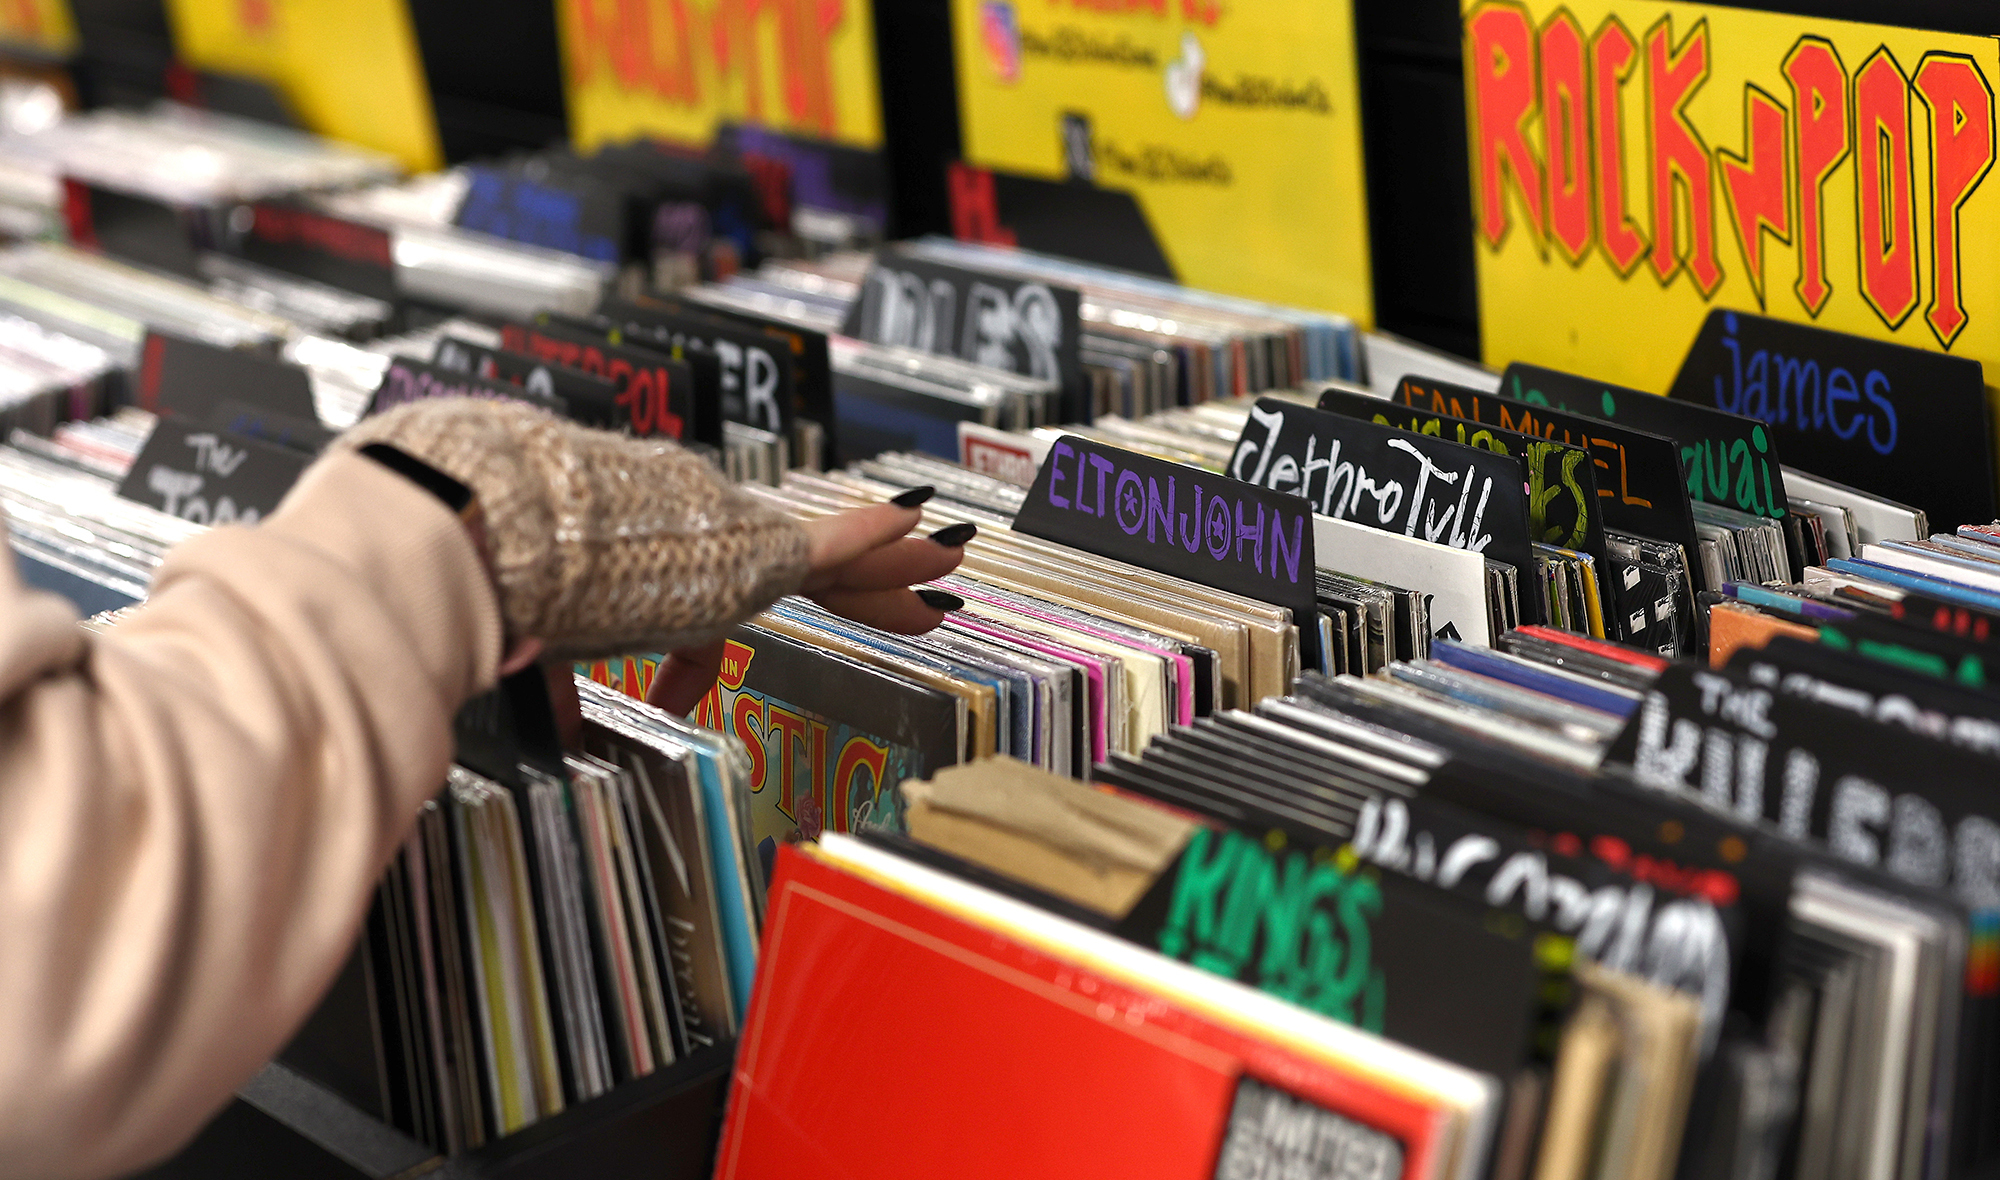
{"type": "Point", "coordinates": [662, 1127]}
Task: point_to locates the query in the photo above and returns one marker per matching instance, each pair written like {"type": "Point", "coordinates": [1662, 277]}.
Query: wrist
{"type": "Point", "coordinates": [463, 502]}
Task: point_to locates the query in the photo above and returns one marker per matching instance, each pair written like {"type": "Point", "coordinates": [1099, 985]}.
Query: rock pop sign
{"type": "Point", "coordinates": [1636, 163]}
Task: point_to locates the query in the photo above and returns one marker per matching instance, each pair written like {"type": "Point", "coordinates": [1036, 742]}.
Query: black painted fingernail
{"type": "Point", "coordinates": [914, 497]}
{"type": "Point", "coordinates": [939, 600]}
{"type": "Point", "coordinates": [953, 535]}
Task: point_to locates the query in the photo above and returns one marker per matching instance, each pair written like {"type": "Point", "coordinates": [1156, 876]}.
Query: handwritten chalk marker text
{"type": "Point", "coordinates": [1199, 516]}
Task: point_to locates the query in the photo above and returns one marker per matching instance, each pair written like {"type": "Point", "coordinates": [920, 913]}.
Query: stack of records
{"type": "Point", "coordinates": [782, 289]}
{"type": "Point", "coordinates": [60, 287]}
{"type": "Point", "coordinates": [1214, 345]}
{"type": "Point", "coordinates": [888, 398]}
{"type": "Point", "coordinates": [184, 156]}
{"type": "Point", "coordinates": [314, 307]}
{"type": "Point", "coordinates": [1059, 656]}
{"type": "Point", "coordinates": [47, 376]}
{"type": "Point", "coordinates": [70, 530]}
{"type": "Point", "coordinates": [1518, 862]}
{"type": "Point", "coordinates": [1024, 1043]}
{"type": "Point", "coordinates": [560, 924]}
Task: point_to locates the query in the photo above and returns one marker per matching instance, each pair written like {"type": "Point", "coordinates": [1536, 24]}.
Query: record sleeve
{"type": "Point", "coordinates": [827, 736]}
{"type": "Point", "coordinates": [1147, 1097]}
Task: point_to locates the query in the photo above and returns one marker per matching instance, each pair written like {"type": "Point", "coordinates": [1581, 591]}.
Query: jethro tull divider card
{"type": "Point", "coordinates": [1561, 479]}
{"type": "Point", "coordinates": [1179, 520]}
{"type": "Point", "coordinates": [1390, 479]}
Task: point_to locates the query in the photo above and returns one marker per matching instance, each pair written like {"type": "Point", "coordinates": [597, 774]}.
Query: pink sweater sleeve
{"type": "Point", "coordinates": [194, 808]}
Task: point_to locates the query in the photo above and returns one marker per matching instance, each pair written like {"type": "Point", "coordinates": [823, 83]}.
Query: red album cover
{"type": "Point", "coordinates": [889, 1039]}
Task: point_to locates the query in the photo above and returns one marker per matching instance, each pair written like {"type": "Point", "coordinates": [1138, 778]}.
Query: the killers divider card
{"type": "Point", "coordinates": [1020, 325]}
{"type": "Point", "coordinates": [1179, 520]}
{"type": "Point", "coordinates": [1639, 484]}
{"type": "Point", "coordinates": [1897, 421]}
{"type": "Point", "coordinates": [1561, 479]}
{"type": "Point", "coordinates": [1873, 793]}
{"type": "Point", "coordinates": [1390, 479]}
{"type": "Point", "coordinates": [1728, 459]}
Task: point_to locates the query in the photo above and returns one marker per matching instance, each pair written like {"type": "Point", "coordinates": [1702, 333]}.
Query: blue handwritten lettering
{"type": "Point", "coordinates": [1795, 392]}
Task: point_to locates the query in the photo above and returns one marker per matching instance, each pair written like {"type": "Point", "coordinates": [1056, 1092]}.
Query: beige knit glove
{"type": "Point", "coordinates": [600, 544]}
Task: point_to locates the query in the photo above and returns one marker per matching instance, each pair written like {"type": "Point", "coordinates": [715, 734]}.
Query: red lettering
{"type": "Point", "coordinates": [1820, 127]}
{"type": "Point", "coordinates": [1566, 130]}
{"type": "Point", "coordinates": [975, 213]}
{"type": "Point", "coordinates": [747, 723]}
{"type": "Point", "coordinates": [152, 356]}
{"type": "Point", "coordinates": [1754, 183]}
{"type": "Point", "coordinates": [819, 765]}
{"type": "Point", "coordinates": [1611, 850]}
{"type": "Point", "coordinates": [804, 59]}
{"type": "Point", "coordinates": [1613, 54]}
{"type": "Point", "coordinates": [671, 424]}
{"type": "Point", "coordinates": [77, 216]}
{"type": "Point", "coordinates": [859, 754]}
{"type": "Point", "coordinates": [344, 239]}
{"type": "Point", "coordinates": [708, 712]}
{"type": "Point", "coordinates": [1883, 180]}
{"type": "Point", "coordinates": [1502, 61]}
{"type": "Point", "coordinates": [790, 729]}
{"type": "Point", "coordinates": [631, 395]}
{"type": "Point", "coordinates": [677, 80]}
{"type": "Point", "coordinates": [1960, 101]}
{"type": "Point", "coordinates": [1678, 155]}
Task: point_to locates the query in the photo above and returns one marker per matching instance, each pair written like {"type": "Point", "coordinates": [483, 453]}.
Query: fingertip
{"type": "Point", "coordinates": [941, 600]}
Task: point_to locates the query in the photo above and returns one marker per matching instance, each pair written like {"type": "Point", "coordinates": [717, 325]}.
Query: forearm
{"type": "Point", "coordinates": [193, 808]}
{"type": "Point", "coordinates": [602, 544]}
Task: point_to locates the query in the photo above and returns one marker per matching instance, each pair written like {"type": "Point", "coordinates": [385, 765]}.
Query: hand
{"type": "Point", "coordinates": [862, 563]}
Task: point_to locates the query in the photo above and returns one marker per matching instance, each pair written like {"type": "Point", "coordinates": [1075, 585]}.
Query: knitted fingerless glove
{"type": "Point", "coordinates": [601, 544]}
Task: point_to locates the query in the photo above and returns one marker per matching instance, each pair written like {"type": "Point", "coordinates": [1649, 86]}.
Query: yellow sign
{"type": "Point", "coordinates": [349, 68]}
{"type": "Point", "coordinates": [677, 68]}
{"type": "Point", "coordinates": [1636, 163]}
{"type": "Point", "coordinates": [43, 27]}
{"type": "Point", "coordinates": [1236, 127]}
